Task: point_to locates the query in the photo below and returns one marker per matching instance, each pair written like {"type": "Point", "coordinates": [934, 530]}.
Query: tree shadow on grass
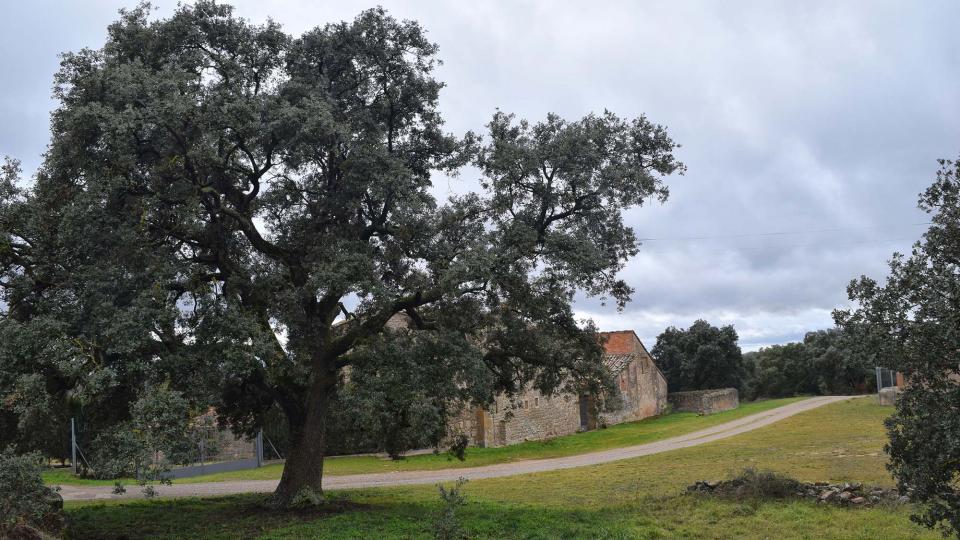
{"type": "Point", "coordinates": [235, 517]}
{"type": "Point", "coordinates": [411, 515]}
{"type": "Point", "coordinates": [248, 517]}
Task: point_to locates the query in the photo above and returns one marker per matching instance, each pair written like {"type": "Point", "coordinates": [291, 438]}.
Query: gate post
{"type": "Point", "coordinates": [258, 448]}
{"type": "Point", "coordinates": [73, 446]}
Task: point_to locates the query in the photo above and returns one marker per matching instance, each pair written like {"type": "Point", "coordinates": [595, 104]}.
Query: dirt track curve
{"type": "Point", "coordinates": [721, 431]}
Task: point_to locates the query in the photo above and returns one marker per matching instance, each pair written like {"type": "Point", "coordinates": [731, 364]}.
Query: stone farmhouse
{"type": "Point", "coordinates": [534, 416]}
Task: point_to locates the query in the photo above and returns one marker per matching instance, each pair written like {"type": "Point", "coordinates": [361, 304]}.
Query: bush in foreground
{"type": "Point", "coordinates": [26, 505]}
{"type": "Point", "coordinates": [447, 524]}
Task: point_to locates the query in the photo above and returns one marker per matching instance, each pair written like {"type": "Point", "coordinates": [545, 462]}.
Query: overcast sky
{"type": "Point", "coordinates": [808, 128]}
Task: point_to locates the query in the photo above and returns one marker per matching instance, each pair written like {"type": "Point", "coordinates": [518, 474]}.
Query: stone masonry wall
{"type": "Point", "coordinates": [469, 422]}
{"type": "Point", "coordinates": [533, 416]}
{"type": "Point", "coordinates": [643, 391]}
{"type": "Point", "coordinates": [705, 401]}
{"type": "Point", "coordinates": [530, 417]}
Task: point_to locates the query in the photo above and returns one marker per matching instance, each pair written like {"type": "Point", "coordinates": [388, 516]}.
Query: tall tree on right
{"type": "Point", "coordinates": [912, 324]}
{"type": "Point", "coordinates": [700, 357]}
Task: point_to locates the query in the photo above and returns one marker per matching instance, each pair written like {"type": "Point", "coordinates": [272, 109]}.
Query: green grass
{"type": "Point", "coordinates": [644, 431]}
{"type": "Point", "coordinates": [636, 498]}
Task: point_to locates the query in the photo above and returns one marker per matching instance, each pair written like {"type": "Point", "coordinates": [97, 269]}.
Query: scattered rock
{"type": "Point", "coordinates": [847, 494]}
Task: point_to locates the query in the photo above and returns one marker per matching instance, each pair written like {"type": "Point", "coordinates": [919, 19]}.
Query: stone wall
{"type": "Point", "coordinates": [531, 417]}
{"type": "Point", "coordinates": [705, 401]}
{"type": "Point", "coordinates": [888, 395]}
{"type": "Point", "coordinates": [643, 390]}
{"type": "Point", "coordinates": [469, 422]}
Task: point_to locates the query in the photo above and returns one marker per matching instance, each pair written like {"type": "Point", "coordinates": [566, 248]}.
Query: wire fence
{"type": "Point", "coordinates": [207, 449]}
{"type": "Point", "coordinates": [886, 378]}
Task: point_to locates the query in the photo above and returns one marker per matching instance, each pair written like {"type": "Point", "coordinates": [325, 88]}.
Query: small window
{"type": "Point", "coordinates": [526, 404]}
{"type": "Point", "coordinates": [536, 402]}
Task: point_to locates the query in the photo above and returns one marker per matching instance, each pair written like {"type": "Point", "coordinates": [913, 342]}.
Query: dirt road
{"type": "Point", "coordinates": [722, 431]}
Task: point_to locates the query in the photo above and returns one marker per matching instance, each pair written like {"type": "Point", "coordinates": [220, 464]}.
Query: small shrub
{"type": "Point", "coordinates": [458, 446]}
{"type": "Point", "coordinates": [25, 502]}
{"type": "Point", "coordinates": [117, 452]}
{"type": "Point", "coordinates": [447, 524]}
{"type": "Point", "coordinates": [761, 484]}
{"type": "Point", "coordinates": [756, 484]}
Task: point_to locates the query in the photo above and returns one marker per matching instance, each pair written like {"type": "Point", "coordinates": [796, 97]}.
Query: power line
{"type": "Point", "coordinates": [775, 233]}
{"type": "Point", "coordinates": [779, 246]}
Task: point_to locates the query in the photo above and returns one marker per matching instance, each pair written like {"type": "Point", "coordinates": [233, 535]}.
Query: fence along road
{"type": "Point", "coordinates": [715, 433]}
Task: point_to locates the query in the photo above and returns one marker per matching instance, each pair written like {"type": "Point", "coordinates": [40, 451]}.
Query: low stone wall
{"type": "Point", "coordinates": [705, 401]}
{"type": "Point", "coordinates": [888, 396]}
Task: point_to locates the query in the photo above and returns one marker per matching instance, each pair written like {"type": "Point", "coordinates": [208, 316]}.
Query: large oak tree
{"type": "Point", "coordinates": [223, 205]}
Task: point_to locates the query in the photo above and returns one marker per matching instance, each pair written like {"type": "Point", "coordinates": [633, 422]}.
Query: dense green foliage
{"type": "Point", "coordinates": [400, 394]}
{"type": "Point", "coordinates": [824, 363]}
{"type": "Point", "coordinates": [24, 499]}
{"type": "Point", "coordinates": [238, 212]}
{"type": "Point", "coordinates": [156, 437]}
{"type": "Point", "coordinates": [911, 323]}
{"type": "Point", "coordinates": [700, 357]}
{"type": "Point", "coordinates": [87, 327]}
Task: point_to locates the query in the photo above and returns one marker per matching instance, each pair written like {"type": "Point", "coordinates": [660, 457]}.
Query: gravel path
{"type": "Point", "coordinates": [721, 431]}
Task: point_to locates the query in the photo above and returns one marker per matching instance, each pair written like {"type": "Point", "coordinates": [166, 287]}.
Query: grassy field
{"type": "Point", "coordinates": [636, 498]}
{"type": "Point", "coordinates": [644, 431]}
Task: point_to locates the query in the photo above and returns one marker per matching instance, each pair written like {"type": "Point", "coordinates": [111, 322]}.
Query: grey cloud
{"type": "Point", "coordinates": [793, 117]}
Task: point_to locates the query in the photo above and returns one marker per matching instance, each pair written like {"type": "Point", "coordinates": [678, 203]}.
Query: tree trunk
{"type": "Point", "coordinates": [303, 470]}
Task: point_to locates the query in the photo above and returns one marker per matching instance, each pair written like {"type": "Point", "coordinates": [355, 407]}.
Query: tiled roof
{"type": "Point", "coordinates": [618, 362]}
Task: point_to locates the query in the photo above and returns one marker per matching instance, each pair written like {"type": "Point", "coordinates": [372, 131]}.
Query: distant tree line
{"type": "Point", "coordinates": [824, 363]}
{"type": "Point", "coordinates": [700, 357]}
{"type": "Point", "coordinates": [704, 356]}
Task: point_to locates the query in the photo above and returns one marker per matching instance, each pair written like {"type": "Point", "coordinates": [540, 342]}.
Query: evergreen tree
{"type": "Point", "coordinates": [240, 212]}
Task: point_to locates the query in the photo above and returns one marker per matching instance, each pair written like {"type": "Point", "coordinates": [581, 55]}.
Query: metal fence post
{"type": "Point", "coordinates": [73, 446]}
